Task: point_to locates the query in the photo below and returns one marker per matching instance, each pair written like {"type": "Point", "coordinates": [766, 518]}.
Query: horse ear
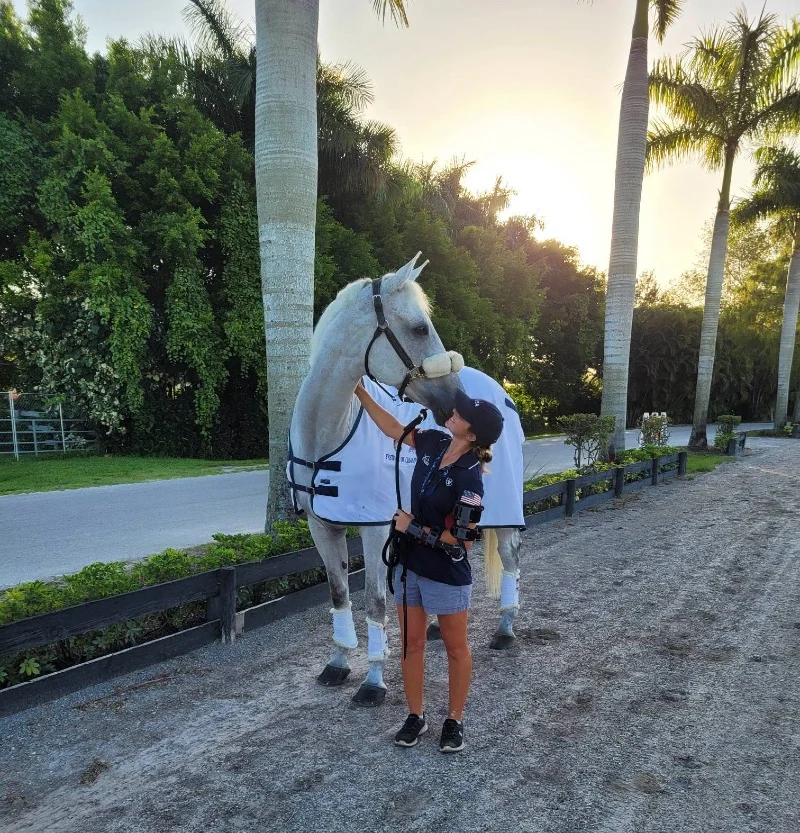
{"type": "Point", "coordinates": [409, 272]}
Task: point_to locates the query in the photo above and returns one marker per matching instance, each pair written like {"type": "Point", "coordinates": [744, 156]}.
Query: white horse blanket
{"type": "Point", "coordinates": [366, 489]}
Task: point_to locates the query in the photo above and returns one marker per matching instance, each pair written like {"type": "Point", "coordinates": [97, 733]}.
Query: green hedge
{"type": "Point", "coordinates": [97, 581]}
{"type": "Point", "coordinates": [634, 455]}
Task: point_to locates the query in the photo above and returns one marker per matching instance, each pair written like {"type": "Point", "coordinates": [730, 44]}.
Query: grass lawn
{"type": "Point", "coordinates": [43, 474]}
{"type": "Point", "coordinates": [700, 462]}
{"type": "Point", "coordinates": [544, 435]}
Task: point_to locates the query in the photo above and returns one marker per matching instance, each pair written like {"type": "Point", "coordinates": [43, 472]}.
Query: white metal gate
{"type": "Point", "coordinates": [35, 423]}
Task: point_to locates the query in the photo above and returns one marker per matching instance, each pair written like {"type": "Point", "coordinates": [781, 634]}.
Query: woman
{"type": "Point", "coordinates": [446, 493]}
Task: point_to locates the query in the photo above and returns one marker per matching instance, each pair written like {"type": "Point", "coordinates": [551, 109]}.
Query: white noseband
{"type": "Point", "coordinates": [442, 364]}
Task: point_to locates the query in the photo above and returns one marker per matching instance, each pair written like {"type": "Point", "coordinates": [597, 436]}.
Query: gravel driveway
{"type": "Point", "coordinates": [653, 688]}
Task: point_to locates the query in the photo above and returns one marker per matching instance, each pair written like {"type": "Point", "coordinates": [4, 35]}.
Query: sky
{"type": "Point", "coordinates": [527, 89]}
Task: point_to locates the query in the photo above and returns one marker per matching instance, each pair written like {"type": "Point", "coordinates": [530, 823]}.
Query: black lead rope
{"type": "Point", "coordinates": [398, 541]}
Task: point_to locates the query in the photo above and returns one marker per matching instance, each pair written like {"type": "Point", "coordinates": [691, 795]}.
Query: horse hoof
{"type": "Point", "coordinates": [369, 695]}
{"type": "Point", "coordinates": [332, 675]}
{"type": "Point", "coordinates": [434, 631]}
{"type": "Point", "coordinates": [502, 642]}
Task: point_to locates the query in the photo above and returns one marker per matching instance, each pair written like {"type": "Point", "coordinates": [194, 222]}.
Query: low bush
{"type": "Point", "coordinates": [784, 432]}
{"type": "Point", "coordinates": [722, 439]}
{"type": "Point", "coordinates": [100, 580]}
{"type": "Point", "coordinates": [588, 434]}
{"type": "Point", "coordinates": [728, 423]}
{"type": "Point", "coordinates": [645, 453]}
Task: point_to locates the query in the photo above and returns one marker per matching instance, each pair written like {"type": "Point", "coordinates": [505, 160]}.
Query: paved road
{"type": "Point", "coordinates": [52, 533]}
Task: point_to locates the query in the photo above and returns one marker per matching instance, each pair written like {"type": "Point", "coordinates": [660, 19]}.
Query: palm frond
{"type": "Point", "coordinates": [708, 54]}
{"type": "Point", "coordinates": [381, 135]}
{"type": "Point", "coordinates": [784, 61]}
{"type": "Point", "coordinates": [667, 143]}
{"type": "Point", "coordinates": [348, 84]}
{"type": "Point", "coordinates": [756, 206]}
{"type": "Point", "coordinates": [175, 49]}
{"type": "Point", "coordinates": [751, 55]}
{"type": "Point", "coordinates": [778, 173]}
{"type": "Point", "coordinates": [666, 12]}
{"type": "Point", "coordinates": [777, 186]}
{"type": "Point", "coordinates": [775, 118]}
{"type": "Point", "coordinates": [216, 28]}
{"type": "Point", "coordinates": [241, 79]}
{"type": "Point", "coordinates": [683, 95]}
{"type": "Point", "coordinates": [396, 9]}
{"type": "Point", "coordinates": [778, 162]}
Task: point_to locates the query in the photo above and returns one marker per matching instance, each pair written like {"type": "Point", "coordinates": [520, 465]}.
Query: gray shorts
{"type": "Point", "coordinates": [434, 596]}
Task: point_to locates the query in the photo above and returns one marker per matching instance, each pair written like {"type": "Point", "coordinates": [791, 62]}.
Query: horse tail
{"type": "Point", "coordinates": [492, 565]}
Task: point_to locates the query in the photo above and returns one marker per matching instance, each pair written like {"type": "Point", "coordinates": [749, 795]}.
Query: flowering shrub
{"type": "Point", "coordinates": [80, 364]}
{"type": "Point", "coordinates": [655, 430]}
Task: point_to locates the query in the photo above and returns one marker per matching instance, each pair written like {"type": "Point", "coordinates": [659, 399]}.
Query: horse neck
{"type": "Point", "coordinates": [326, 408]}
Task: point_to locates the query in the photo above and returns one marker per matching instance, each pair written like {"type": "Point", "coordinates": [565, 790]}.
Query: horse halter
{"type": "Point", "coordinates": [383, 328]}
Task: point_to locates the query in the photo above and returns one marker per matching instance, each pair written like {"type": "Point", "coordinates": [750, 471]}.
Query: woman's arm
{"type": "Point", "coordinates": [402, 519]}
{"type": "Point", "coordinates": [386, 422]}
{"type": "Point", "coordinates": [448, 538]}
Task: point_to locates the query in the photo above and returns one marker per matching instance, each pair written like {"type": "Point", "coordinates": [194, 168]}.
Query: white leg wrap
{"type": "Point", "coordinates": [509, 590]}
{"type": "Point", "coordinates": [377, 644]}
{"type": "Point", "coordinates": [344, 631]}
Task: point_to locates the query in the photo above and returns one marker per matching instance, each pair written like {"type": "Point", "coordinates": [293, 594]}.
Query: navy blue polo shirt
{"type": "Point", "coordinates": [434, 494]}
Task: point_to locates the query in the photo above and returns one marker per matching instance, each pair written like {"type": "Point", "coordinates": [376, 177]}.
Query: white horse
{"type": "Point", "coordinates": [349, 339]}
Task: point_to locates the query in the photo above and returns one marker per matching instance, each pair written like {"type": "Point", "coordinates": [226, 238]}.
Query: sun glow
{"type": "Point", "coordinates": [556, 174]}
{"type": "Point", "coordinates": [555, 195]}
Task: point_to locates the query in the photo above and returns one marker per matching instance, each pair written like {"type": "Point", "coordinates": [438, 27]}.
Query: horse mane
{"type": "Point", "coordinates": [347, 296]}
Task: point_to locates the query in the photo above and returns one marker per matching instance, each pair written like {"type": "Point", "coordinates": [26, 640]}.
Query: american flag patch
{"type": "Point", "coordinates": [470, 499]}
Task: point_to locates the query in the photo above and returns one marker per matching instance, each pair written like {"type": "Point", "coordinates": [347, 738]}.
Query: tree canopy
{"type": "Point", "coordinates": [128, 238]}
{"type": "Point", "coordinates": [129, 263]}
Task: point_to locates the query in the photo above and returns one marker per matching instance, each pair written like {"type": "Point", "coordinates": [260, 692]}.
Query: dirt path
{"type": "Point", "coordinates": [653, 690]}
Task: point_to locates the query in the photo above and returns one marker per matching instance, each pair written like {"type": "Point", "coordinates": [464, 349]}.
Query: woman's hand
{"type": "Point", "coordinates": [402, 520]}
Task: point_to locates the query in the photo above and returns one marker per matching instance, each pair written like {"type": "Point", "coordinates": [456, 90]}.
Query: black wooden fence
{"type": "Point", "coordinates": [218, 587]}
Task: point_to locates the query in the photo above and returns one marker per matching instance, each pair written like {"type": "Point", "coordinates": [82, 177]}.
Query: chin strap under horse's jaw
{"type": "Point", "coordinates": [440, 364]}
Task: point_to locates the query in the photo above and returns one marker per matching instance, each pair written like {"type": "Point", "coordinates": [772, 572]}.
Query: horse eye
{"type": "Point", "coordinates": [421, 330]}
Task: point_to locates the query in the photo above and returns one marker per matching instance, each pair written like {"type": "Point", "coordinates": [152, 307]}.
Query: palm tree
{"type": "Point", "coordinates": [732, 87]}
{"type": "Point", "coordinates": [777, 194]}
{"type": "Point", "coordinates": [631, 143]}
{"type": "Point", "coordinates": [286, 161]}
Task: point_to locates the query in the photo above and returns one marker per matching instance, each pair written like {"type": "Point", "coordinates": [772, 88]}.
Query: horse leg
{"type": "Point", "coordinates": [332, 546]}
{"type": "Point", "coordinates": [509, 542]}
{"type": "Point", "coordinates": [372, 691]}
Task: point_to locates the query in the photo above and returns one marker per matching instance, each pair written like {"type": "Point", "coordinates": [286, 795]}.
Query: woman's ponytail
{"type": "Point", "coordinates": [484, 455]}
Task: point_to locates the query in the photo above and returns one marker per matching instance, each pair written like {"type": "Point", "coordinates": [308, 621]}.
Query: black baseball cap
{"type": "Point", "coordinates": [485, 420]}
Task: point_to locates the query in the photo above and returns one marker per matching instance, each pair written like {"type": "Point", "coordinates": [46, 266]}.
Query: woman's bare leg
{"type": "Point", "coordinates": [459, 660]}
{"type": "Point", "coordinates": [413, 663]}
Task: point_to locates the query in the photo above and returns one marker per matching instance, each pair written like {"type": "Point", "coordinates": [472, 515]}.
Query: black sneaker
{"type": "Point", "coordinates": [412, 729]}
{"type": "Point", "coordinates": [452, 736]}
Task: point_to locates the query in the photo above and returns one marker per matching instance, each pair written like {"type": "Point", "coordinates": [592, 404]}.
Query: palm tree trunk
{"type": "Point", "coordinates": [791, 302]}
{"type": "Point", "coordinates": [286, 184]}
{"type": "Point", "coordinates": [708, 334]}
{"type": "Point", "coordinates": [621, 289]}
